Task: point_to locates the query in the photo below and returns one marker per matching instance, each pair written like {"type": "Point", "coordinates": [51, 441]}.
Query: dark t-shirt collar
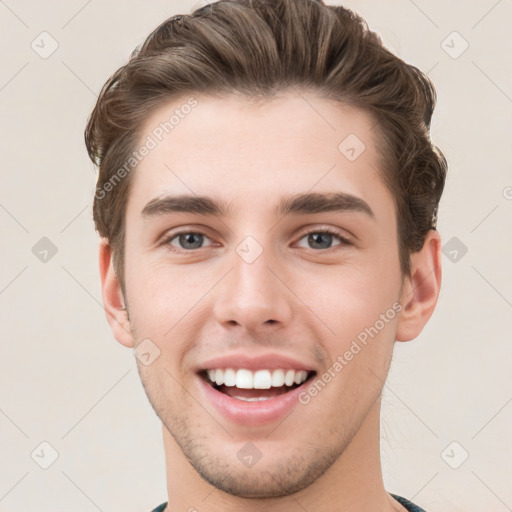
{"type": "Point", "coordinates": [411, 507]}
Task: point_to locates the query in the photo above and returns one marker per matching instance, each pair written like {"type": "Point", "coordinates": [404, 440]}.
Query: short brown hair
{"type": "Point", "coordinates": [256, 48]}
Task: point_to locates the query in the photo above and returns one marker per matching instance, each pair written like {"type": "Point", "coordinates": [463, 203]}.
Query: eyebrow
{"type": "Point", "coordinates": [306, 203]}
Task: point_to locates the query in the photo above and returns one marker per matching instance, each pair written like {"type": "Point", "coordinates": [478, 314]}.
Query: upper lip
{"type": "Point", "coordinates": [268, 361]}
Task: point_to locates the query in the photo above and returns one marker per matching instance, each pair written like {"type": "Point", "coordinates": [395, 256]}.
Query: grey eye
{"type": "Point", "coordinates": [320, 239]}
{"type": "Point", "coordinates": [188, 240]}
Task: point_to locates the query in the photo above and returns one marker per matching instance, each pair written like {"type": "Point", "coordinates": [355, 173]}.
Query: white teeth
{"type": "Point", "coordinates": [229, 377]}
{"type": "Point", "coordinates": [300, 377]}
{"type": "Point", "coordinates": [244, 379]}
{"type": "Point", "coordinates": [254, 399]}
{"type": "Point", "coordinates": [289, 378]}
{"type": "Point", "coordinates": [260, 379]}
{"type": "Point", "coordinates": [278, 378]}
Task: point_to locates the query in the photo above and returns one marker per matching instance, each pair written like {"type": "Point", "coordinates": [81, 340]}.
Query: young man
{"type": "Point", "coordinates": [267, 202]}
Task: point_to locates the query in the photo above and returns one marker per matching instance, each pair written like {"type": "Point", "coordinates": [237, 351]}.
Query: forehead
{"type": "Point", "coordinates": [238, 149]}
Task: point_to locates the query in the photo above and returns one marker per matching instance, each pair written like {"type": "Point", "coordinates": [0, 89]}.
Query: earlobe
{"type": "Point", "coordinates": [113, 301]}
{"type": "Point", "coordinates": [421, 290]}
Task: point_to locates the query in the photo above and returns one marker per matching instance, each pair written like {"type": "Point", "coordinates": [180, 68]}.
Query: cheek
{"type": "Point", "coordinates": [350, 299]}
{"type": "Point", "coordinates": [360, 307]}
{"type": "Point", "coordinates": [160, 294]}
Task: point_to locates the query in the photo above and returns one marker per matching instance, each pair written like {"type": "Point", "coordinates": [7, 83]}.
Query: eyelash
{"type": "Point", "coordinates": [344, 241]}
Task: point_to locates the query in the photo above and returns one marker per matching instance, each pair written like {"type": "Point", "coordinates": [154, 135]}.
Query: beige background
{"type": "Point", "coordinates": [64, 380]}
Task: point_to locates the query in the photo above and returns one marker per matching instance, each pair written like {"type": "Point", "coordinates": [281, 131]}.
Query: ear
{"type": "Point", "coordinates": [113, 300]}
{"type": "Point", "coordinates": [420, 291]}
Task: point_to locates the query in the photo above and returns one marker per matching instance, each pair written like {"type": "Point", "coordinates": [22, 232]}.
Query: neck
{"type": "Point", "coordinates": [354, 482]}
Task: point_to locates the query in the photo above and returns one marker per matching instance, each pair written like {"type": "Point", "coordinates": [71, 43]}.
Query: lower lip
{"type": "Point", "coordinates": [252, 413]}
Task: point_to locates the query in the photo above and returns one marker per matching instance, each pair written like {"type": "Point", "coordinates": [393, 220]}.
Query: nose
{"type": "Point", "coordinates": [254, 296]}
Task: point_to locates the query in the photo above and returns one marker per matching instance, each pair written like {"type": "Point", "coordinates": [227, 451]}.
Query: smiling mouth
{"type": "Point", "coordinates": [249, 386]}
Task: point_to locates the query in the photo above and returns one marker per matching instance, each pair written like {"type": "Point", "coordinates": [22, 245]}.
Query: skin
{"type": "Point", "coordinates": [203, 302]}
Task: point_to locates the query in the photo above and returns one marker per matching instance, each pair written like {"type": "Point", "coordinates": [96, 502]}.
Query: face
{"type": "Point", "coordinates": [260, 238]}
